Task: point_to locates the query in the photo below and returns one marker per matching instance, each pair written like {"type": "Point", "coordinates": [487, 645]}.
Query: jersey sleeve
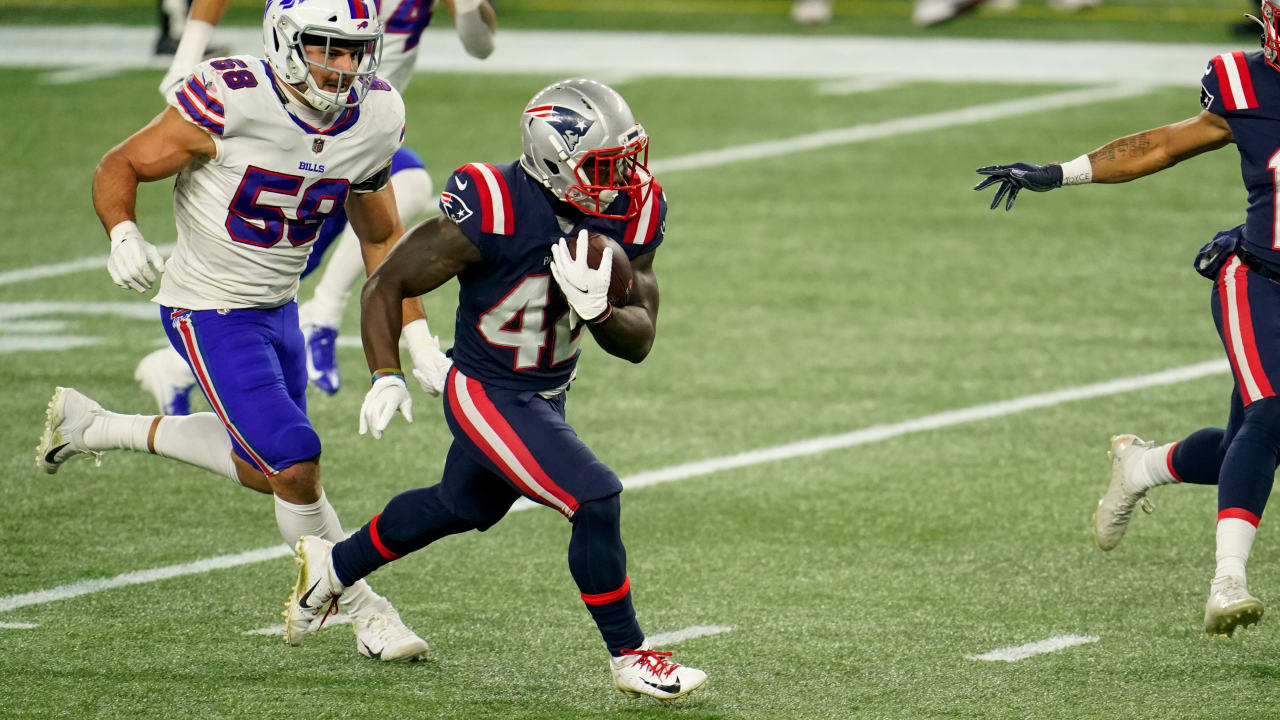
{"type": "Point", "coordinates": [644, 232]}
{"type": "Point", "coordinates": [394, 132]}
{"type": "Point", "coordinates": [199, 100]}
{"type": "Point", "coordinates": [1227, 85]}
{"type": "Point", "coordinates": [476, 198]}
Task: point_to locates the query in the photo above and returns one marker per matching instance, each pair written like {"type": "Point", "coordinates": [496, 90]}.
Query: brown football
{"type": "Point", "coordinates": [622, 278]}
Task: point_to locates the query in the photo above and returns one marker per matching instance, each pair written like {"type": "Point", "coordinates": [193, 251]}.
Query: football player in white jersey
{"type": "Point", "coordinates": [164, 374]}
{"type": "Point", "coordinates": [263, 151]}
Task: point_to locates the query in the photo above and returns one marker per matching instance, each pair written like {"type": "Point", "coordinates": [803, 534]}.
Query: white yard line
{"type": "Point", "coordinates": [813, 446]}
{"type": "Point", "coordinates": [767, 149]}
{"type": "Point", "coordinates": [18, 626]}
{"type": "Point", "coordinates": [854, 85]}
{"type": "Point", "coordinates": [689, 633]}
{"type": "Point", "coordinates": [900, 126]}
{"type": "Point", "coordinates": [1040, 647]}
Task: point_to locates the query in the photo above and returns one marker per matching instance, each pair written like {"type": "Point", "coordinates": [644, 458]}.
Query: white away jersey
{"type": "Point", "coordinates": [248, 216]}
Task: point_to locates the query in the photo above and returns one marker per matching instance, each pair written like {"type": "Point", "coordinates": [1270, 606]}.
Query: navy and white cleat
{"type": "Point", "coordinates": [322, 357]}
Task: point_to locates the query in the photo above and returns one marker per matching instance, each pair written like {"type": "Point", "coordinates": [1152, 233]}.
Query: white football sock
{"type": "Point", "coordinates": [200, 439]}
{"type": "Point", "coordinates": [114, 431]}
{"type": "Point", "coordinates": [1153, 468]}
{"type": "Point", "coordinates": [320, 519]}
{"type": "Point", "coordinates": [1235, 540]}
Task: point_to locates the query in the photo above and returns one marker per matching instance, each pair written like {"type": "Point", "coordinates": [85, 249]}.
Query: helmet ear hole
{"type": "Point", "coordinates": [555, 169]}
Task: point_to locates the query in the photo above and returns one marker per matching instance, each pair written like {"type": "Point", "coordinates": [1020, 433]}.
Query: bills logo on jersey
{"type": "Point", "coordinates": [453, 206]}
{"type": "Point", "coordinates": [568, 123]}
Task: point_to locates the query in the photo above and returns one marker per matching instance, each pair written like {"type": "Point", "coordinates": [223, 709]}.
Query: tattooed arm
{"type": "Point", "coordinates": [1151, 151]}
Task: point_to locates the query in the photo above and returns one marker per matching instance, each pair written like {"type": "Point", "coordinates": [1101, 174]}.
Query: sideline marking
{"type": "Point", "coordinates": [855, 85]}
{"type": "Point", "coordinates": [689, 633]}
{"type": "Point", "coordinates": [772, 148]}
{"type": "Point", "coordinates": [18, 626]}
{"type": "Point", "coordinates": [1040, 647]}
{"type": "Point", "coordinates": [812, 446]}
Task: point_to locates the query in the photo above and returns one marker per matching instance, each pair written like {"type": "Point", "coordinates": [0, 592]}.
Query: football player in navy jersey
{"type": "Point", "coordinates": [1240, 100]}
{"type": "Point", "coordinates": [523, 304]}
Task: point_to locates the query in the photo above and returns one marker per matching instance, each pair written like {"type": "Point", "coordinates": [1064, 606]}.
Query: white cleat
{"type": "Point", "coordinates": [1115, 509]}
{"type": "Point", "coordinates": [315, 593]}
{"type": "Point", "coordinates": [382, 635]}
{"type": "Point", "coordinates": [70, 413]}
{"type": "Point", "coordinates": [1230, 606]}
{"type": "Point", "coordinates": [167, 378]}
{"type": "Point", "coordinates": [647, 672]}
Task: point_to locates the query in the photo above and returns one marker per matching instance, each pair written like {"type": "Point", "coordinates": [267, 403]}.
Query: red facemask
{"type": "Point", "coordinates": [605, 173]}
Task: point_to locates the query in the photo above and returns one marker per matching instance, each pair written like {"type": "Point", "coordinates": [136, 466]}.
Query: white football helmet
{"type": "Point", "coordinates": [288, 25]}
{"type": "Point", "coordinates": [584, 145]}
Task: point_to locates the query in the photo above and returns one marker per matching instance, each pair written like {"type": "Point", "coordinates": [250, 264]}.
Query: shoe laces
{"type": "Point", "coordinates": [653, 661]}
{"type": "Point", "coordinates": [330, 608]}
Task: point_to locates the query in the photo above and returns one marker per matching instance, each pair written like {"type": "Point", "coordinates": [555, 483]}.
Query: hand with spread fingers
{"type": "Point", "coordinates": [1016, 177]}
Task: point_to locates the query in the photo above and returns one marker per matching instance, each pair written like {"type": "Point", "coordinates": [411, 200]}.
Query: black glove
{"type": "Point", "coordinates": [1012, 178]}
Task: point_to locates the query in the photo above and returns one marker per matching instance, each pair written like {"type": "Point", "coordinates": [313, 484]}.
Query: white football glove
{"type": "Point", "coordinates": [586, 290]}
{"type": "Point", "coordinates": [134, 262]}
{"type": "Point", "coordinates": [430, 365]}
{"type": "Point", "coordinates": [387, 395]}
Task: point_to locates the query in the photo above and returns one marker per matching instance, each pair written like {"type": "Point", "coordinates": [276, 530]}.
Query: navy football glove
{"type": "Point", "coordinates": [1015, 177]}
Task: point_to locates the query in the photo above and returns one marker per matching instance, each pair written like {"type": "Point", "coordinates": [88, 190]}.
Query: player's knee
{"type": "Point", "coordinates": [1262, 419]}
{"type": "Point", "coordinates": [603, 513]}
{"type": "Point", "coordinates": [296, 443]}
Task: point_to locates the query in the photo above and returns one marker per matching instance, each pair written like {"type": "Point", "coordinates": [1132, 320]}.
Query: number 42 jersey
{"type": "Point", "coordinates": [247, 217]}
{"type": "Point", "coordinates": [1243, 89]}
{"type": "Point", "coordinates": [512, 326]}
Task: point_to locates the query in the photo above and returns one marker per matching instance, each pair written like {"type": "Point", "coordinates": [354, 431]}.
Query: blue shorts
{"type": "Point", "coordinates": [332, 227]}
{"type": "Point", "coordinates": [508, 443]}
{"type": "Point", "coordinates": [251, 365]}
{"type": "Point", "coordinates": [1245, 306]}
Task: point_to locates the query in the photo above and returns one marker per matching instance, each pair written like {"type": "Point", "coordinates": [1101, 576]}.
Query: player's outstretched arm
{"type": "Point", "coordinates": [155, 152]}
{"type": "Point", "coordinates": [1121, 160]}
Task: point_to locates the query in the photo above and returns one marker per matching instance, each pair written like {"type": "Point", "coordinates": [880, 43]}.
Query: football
{"type": "Point", "coordinates": [621, 279]}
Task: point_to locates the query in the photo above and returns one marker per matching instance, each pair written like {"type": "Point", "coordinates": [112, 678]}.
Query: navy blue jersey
{"type": "Point", "coordinates": [513, 323]}
{"type": "Point", "coordinates": [1244, 90]}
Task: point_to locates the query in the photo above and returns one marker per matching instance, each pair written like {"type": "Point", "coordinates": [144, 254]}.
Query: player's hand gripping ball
{"type": "Point", "coordinates": [621, 279]}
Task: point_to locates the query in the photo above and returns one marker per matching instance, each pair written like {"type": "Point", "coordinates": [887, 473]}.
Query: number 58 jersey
{"type": "Point", "coordinates": [247, 217]}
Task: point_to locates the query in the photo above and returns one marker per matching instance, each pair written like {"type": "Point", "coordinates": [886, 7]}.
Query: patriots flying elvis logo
{"type": "Point", "coordinates": [453, 206]}
{"type": "Point", "coordinates": [568, 123]}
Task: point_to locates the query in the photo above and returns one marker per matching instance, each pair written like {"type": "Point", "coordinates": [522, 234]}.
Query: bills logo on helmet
{"type": "Point", "coordinates": [568, 123]}
{"type": "Point", "coordinates": [453, 206]}
{"type": "Point", "coordinates": [363, 24]}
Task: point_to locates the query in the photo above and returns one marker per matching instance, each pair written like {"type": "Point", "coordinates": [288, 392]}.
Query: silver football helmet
{"type": "Point", "coordinates": [584, 145]}
{"type": "Point", "coordinates": [1270, 33]}
{"type": "Point", "coordinates": [289, 25]}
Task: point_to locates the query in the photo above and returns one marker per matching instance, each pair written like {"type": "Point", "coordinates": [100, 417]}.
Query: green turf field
{"type": "Point", "coordinates": [804, 295]}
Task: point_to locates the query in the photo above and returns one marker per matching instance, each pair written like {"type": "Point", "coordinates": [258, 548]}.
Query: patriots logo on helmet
{"type": "Point", "coordinates": [568, 123]}
{"type": "Point", "coordinates": [453, 206]}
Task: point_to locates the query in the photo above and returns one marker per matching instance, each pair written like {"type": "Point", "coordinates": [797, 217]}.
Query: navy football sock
{"type": "Point", "coordinates": [411, 521]}
{"type": "Point", "coordinates": [1249, 468]}
{"type": "Point", "coordinates": [1198, 458]}
{"type": "Point", "coordinates": [598, 563]}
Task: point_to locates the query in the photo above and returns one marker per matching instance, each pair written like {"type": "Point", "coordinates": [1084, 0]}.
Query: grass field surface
{"type": "Point", "coordinates": [805, 294]}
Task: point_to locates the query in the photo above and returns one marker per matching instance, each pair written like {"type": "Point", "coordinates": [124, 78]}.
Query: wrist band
{"type": "Point", "coordinates": [386, 372]}
{"type": "Point", "coordinates": [1078, 171]}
